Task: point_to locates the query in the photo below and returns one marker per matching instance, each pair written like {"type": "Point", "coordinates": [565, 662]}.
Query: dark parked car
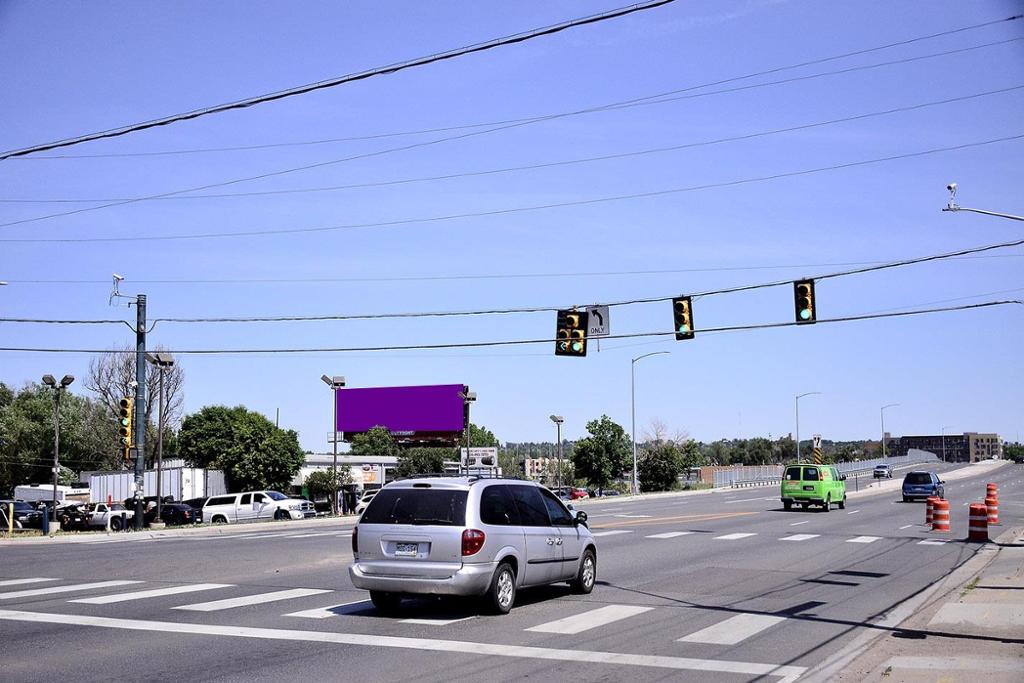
{"type": "Point", "coordinates": [175, 514]}
{"type": "Point", "coordinates": [197, 503]}
{"type": "Point", "coordinates": [921, 485]}
{"type": "Point", "coordinates": [25, 515]}
{"type": "Point", "coordinates": [73, 517]}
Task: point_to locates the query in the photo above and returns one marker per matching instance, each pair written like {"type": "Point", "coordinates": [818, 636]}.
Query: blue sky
{"type": "Point", "coordinates": [79, 67]}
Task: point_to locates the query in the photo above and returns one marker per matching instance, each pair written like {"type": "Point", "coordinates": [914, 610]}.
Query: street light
{"type": "Point", "coordinates": [468, 397]}
{"type": "Point", "coordinates": [65, 382]}
{"type": "Point", "coordinates": [800, 396]}
{"type": "Point", "coordinates": [632, 402]}
{"type": "Point", "coordinates": [558, 420]}
{"type": "Point", "coordinates": [336, 382]}
{"type": "Point", "coordinates": [162, 361]}
{"type": "Point", "coordinates": [944, 443]}
{"type": "Point", "coordinates": [882, 413]}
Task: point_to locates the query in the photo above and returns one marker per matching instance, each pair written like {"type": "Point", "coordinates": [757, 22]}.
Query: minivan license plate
{"type": "Point", "coordinates": [407, 549]}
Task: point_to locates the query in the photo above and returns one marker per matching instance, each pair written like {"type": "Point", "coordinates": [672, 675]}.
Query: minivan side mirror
{"type": "Point", "coordinates": [842, 477]}
{"type": "Point", "coordinates": [581, 517]}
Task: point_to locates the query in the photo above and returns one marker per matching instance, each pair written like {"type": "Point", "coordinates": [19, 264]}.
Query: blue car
{"type": "Point", "coordinates": [922, 485]}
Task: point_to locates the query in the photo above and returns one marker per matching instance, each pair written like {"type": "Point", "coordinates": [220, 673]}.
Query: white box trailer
{"type": "Point", "coordinates": [180, 483]}
{"type": "Point", "coordinates": [65, 494]}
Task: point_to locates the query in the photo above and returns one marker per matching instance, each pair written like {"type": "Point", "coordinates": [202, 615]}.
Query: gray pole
{"type": "Point", "coordinates": [160, 449]}
{"type": "Point", "coordinates": [558, 432]}
{"type": "Point", "coordinates": [798, 429]}
{"type": "Point", "coordinates": [632, 403]}
{"type": "Point", "coordinates": [334, 440]}
{"type": "Point", "coordinates": [140, 407]}
{"type": "Point", "coordinates": [882, 413]}
{"type": "Point", "coordinates": [56, 446]}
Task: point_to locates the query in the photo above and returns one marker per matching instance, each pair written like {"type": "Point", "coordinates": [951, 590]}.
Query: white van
{"type": "Point", "coordinates": [253, 506]}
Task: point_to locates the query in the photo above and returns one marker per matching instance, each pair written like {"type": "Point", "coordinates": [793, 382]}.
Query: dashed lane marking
{"type": "Point", "coordinates": [863, 539]}
{"type": "Point", "coordinates": [634, 516]}
{"type": "Point", "coordinates": [153, 593]}
{"type": "Point", "coordinates": [733, 537]}
{"type": "Point", "coordinates": [332, 610]}
{"type": "Point", "coordinates": [799, 523]}
{"type": "Point", "coordinates": [785, 673]}
{"type": "Point", "coordinates": [670, 534]}
{"type": "Point", "coordinates": [906, 526]}
{"type": "Point", "coordinates": [613, 532]}
{"type": "Point", "coordinates": [853, 512]}
{"type": "Point", "coordinates": [436, 622]}
{"type": "Point", "coordinates": [259, 599]}
{"type": "Point", "coordinates": [602, 616]}
{"type": "Point", "coordinates": [733, 630]}
{"type": "Point", "coordinates": [799, 537]}
{"type": "Point", "coordinates": [52, 590]}
{"type": "Point", "coordinates": [934, 541]}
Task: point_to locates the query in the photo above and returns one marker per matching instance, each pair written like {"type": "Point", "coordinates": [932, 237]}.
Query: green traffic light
{"type": "Point", "coordinates": [577, 346]}
{"type": "Point", "coordinates": [805, 313]}
{"type": "Point", "coordinates": [684, 328]}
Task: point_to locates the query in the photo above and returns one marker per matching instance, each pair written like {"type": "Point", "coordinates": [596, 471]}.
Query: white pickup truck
{"type": "Point", "coordinates": [101, 513]}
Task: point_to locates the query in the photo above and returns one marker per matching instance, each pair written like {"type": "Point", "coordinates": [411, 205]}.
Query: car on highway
{"type": "Point", "coordinates": [883, 471]}
{"type": "Point", "coordinates": [252, 506]}
{"type": "Point", "coordinates": [468, 536]}
{"type": "Point", "coordinates": [811, 484]}
{"type": "Point", "coordinates": [921, 484]}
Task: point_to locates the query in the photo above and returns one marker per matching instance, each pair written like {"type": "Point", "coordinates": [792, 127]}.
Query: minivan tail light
{"type": "Point", "coordinates": [355, 540]}
{"type": "Point", "coordinates": [472, 541]}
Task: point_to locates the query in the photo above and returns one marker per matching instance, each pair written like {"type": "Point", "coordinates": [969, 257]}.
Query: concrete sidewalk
{"type": "Point", "coordinates": [970, 630]}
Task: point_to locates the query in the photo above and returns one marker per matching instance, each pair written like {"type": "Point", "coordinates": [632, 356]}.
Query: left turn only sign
{"type": "Point", "coordinates": [598, 325]}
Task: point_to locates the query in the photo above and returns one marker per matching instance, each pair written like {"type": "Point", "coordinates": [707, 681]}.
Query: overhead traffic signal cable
{"type": "Point", "coordinates": [341, 80]}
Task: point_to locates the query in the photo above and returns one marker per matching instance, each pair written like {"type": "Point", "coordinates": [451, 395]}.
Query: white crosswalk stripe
{"type": "Point", "coordinates": [436, 622]}
{"type": "Point", "coordinates": [934, 541]}
{"type": "Point", "coordinates": [602, 616]}
{"type": "Point", "coordinates": [22, 582]}
{"type": "Point", "coordinates": [52, 590]}
{"type": "Point", "coordinates": [259, 599]}
{"type": "Point", "coordinates": [733, 630]}
{"type": "Point", "coordinates": [799, 537]}
{"type": "Point", "coordinates": [611, 533]}
{"type": "Point", "coordinates": [331, 610]}
{"type": "Point", "coordinates": [733, 537]}
{"type": "Point", "coordinates": [863, 539]}
{"type": "Point", "coordinates": [670, 534]}
{"type": "Point", "coordinates": [152, 593]}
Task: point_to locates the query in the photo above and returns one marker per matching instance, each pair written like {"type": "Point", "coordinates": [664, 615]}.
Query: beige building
{"type": "Point", "coordinates": [984, 446]}
{"type": "Point", "coordinates": [535, 467]}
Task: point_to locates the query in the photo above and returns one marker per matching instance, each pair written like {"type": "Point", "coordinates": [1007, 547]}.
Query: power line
{"type": "Point", "coordinates": [512, 210]}
{"type": "Point", "coordinates": [306, 167]}
{"type": "Point", "coordinates": [543, 165]}
{"type": "Point", "coordinates": [522, 342]}
{"type": "Point", "coordinates": [483, 276]}
{"type": "Point", "coordinates": [816, 61]}
{"type": "Point", "coordinates": [540, 309]}
{"type": "Point", "coordinates": [350, 78]}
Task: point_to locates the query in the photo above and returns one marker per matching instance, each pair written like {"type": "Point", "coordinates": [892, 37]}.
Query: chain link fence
{"type": "Point", "coordinates": [763, 475]}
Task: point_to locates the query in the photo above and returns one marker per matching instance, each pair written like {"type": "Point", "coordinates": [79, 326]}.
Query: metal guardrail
{"type": "Point", "coordinates": [764, 475]}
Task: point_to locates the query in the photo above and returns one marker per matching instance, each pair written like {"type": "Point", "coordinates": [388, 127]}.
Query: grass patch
{"type": "Point", "coordinates": [970, 586]}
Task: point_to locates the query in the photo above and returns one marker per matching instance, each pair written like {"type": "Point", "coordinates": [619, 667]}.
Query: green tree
{"type": "Point", "coordinates": [604, 455]}
{"type": "Point", "coordinates": [252, 452]}
{"type": "Point", "coordinates": [414, 461]}
{"type": "Point", "coordinates": [323, 483]}
{"type": "Point", "coordinates": [377, 441]}
{"type": "Point", "coordinates": [481, 437]}
{"type": "Point", "coordinates": [659, 467]}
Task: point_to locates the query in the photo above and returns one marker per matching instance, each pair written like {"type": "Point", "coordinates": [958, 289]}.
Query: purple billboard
{"type": "Point", "coordinates": [405, 411]}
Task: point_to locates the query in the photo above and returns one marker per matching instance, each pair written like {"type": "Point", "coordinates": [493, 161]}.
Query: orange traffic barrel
{"type": "Point", "coordinates": [940, 516]}
{"type": "Point", "coordinates": [929, 510]}
{"type": "Point", "coordinates": [993, 510]}
{"type": "Point", "coordinates": [977, 526]}
{"type": "Point", "coordinates": [992, 491]}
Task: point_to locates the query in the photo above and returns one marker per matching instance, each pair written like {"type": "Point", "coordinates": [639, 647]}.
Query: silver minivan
{"type": "Point", "coordinates": [469, 536]}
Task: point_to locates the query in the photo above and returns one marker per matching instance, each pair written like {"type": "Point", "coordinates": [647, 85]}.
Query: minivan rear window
{"type": "Point", "coordinates": [810, 474]}
{"type": "Point", "coordinates": [437, 507]}
{"type": "Point", "coordinates": [792, 474]}
{"type": "Point", "coordinates": [918, 478]}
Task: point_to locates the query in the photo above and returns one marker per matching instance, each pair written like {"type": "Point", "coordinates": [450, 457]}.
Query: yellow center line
{"type": "Point", "coordinates": [683, 518]}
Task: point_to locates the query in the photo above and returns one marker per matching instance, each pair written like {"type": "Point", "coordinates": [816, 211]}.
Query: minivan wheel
{"type": "Point", "coordinates": [787, 505]}
{"type": "Point", "coordinates": [587, 574]}
{"type": "Point", "coordinates": [842, 503]}
{"type": "Point", "coordinates": [827, 505]}
{"type": "Point", "coordinates": [502, 593]}
{"type": "Point", "coordinates": [385, 602]}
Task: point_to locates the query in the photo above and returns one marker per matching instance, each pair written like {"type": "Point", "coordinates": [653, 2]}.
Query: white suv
{"type": "Point", "coordinates": [253, 506]}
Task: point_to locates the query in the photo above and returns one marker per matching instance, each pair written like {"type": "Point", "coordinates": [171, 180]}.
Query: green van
{"type": "Point", "coordinates": [810, 484]}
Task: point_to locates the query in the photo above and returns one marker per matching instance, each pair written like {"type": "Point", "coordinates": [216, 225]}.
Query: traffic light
{"type": "Point", "coordinates": [124, 424]}
{"type": "Point", "coordinates": [803, 298]}
{"type": "Point", "coordinates": [571, 333]}
{"type": "Point", "coordinates": [682, 314]}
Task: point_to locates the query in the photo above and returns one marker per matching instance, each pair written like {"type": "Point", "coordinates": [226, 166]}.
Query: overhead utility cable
{"type": "Point", "coordinates": [522, 342]}
{"type": "Point", "coordinates": [543, 165]}
{"type": "Point", "coordinates": [446, 129]}
{"type": "Point", "coordinates": [511, 210]}
{"type": "Point", "coordinates": [334, 82]}
{"type": "Point", "coordinates": [366, 155]}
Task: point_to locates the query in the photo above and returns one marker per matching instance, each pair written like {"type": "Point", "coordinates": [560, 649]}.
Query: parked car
{"type": "Point", "coordinates": [252, 506]}
{"type": "Point", "coordinates": [197, 504]}
{"type": "Point", "coordinates": [810, 484]}
{"type": "Point", "coordinates": [463, 536]}
{"type": "Point", "coordinates": [175, 514]}
{"type": "Point", "coordinates": [364, 500]}
{"type": "Point", "coordinates": [578, 494]}
{"type": "Point", "coordinates": [119, 516]}
{"type": "Point", "coordinates": [25, 515]}
{"type": "Point", "coordinates": [73, 517]}
{"type": "Point", "coordinates": [883, 471]}
{"type": "Point", "coordinates": [921, 485]}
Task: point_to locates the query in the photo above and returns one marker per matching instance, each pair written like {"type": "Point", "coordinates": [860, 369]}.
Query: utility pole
{"type": "Point", "coordinates": [140, 408]}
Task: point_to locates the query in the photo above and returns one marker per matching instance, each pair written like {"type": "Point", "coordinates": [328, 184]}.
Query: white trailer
{"type": "Point", "coordinates": [180, 483]}
{"type": "Point", "coordinates": [65, 494]}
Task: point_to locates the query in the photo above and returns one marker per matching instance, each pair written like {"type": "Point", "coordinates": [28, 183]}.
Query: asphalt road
{"type": "Point", "coordinates": [714, 587]}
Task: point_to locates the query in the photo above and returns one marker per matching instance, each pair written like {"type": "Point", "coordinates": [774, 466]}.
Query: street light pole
{"type": "Point", "coordinates": [49, 381]}
{"type": "Point", "coordinates": [468, 397]}
{"type": "Point", "coordinates": [953, 206]}
{"type": "Point", "coordinates": [336, 382]}
{"type": "Point", "coordinates": [632, 404]}
{"type": "Point", "coordinates": [558, 420]}
{"type": "Point", "coordinates": [882, 412]}
{"type": "Point", "coordinates": [162, 360]}
{"type": "Point", "coordinates": [800, 396]}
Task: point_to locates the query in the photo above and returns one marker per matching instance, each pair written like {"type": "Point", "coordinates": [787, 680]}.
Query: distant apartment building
{"type": "Point", "coordinates": [966, 447]}
{"type": "Point", "coordinates": [535, 467]}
